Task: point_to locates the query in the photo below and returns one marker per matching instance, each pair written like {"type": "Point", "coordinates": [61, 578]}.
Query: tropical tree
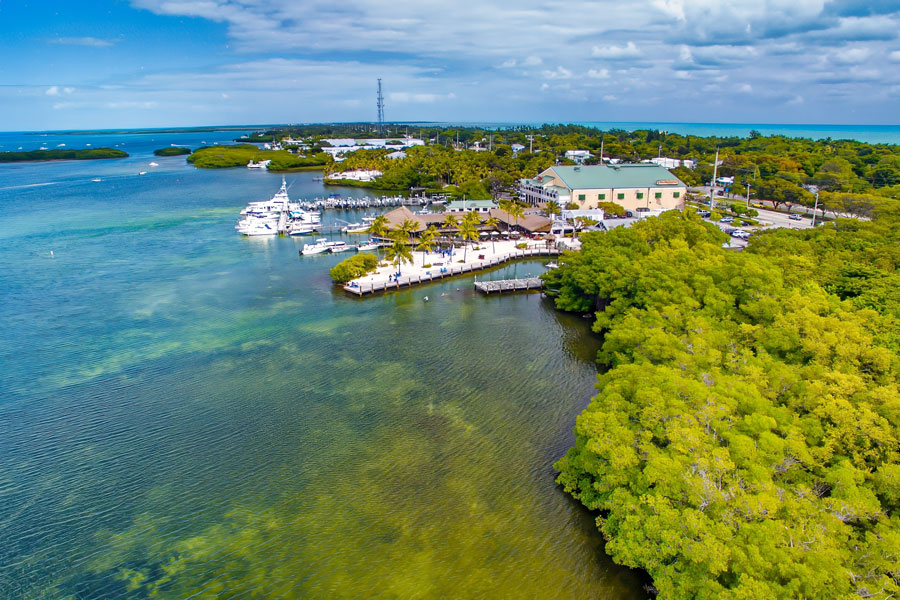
{"type": "Point", "coordinates": [450, 221]}
{"type": "Point", "coordinates": [492, 223]}
{"type": "Point", "coordinates": [553, 208]}
{"type": "Point", "coordinates": [468, 230]}
{"type": "Point", "coordinates": [399, 252]}
{"type": "Point", "coordinates": [427, 241]}
{"type": "Point", "coordinates": [583, 222]}
{"type": "Point", "coordinates": [515, 210]}
{"type": "Point", "coordinates": [379, 227]}
{"type": "Point", "coordinates": [407, 228]}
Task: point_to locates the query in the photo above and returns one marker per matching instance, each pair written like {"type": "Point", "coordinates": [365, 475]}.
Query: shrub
{"type": "Point", "coordinates": [353, 267]}
{"type": "Point", "coordinates": [522, 246]}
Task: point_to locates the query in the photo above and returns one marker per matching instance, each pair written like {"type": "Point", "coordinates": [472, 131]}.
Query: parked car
{"type": "Point", "coordinates": [703, 214]}
{"type": "Point", "coordinates": [794, 217]}
{"type": "Point", "coordinates": [629, 214]}
{"type": "Point", "coordinates": [729, 230]}
{"type": "Point", "coordinates": [726, 219]}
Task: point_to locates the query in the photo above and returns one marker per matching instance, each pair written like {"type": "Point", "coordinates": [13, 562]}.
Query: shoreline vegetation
{"type": "Point", "coordinates": [229, 156]}
{"type": "Point", "coordinates": [49, 155]}
{"type": "Point", "coordinates": [744, 441]}
{"type": "Point", "coordinates": [172, 151]}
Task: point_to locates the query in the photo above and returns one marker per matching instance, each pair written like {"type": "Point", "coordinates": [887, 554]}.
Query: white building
{"type": "Point", "coordinates": [578, 156]}
{"type": "Point", "coordinates": [357, 175]}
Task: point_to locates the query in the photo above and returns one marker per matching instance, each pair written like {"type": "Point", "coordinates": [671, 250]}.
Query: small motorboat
{"type": "Point", "coordinates": [551, 265]}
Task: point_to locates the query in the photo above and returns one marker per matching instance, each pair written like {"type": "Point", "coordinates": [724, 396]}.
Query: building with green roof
{"type": "Point", "coordinates": [633, 186]}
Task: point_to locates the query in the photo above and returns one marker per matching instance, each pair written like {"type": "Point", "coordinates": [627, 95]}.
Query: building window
{"type": "Point", "coordinates": [676, 195]}
{"type": "Point", "coordinates": [581, 197]}
{"type": "Point", "coordinates": [640, 195]}
{"type": "Point", "coordinates": [601, 196]}
{"type": "Point", "coordinates": [658, 195]}
{"type": "Point", "coordinates": [620, 196]}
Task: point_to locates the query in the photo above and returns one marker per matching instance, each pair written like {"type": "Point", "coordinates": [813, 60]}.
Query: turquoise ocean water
{"type": "Point", "coordinates": [188, 413]}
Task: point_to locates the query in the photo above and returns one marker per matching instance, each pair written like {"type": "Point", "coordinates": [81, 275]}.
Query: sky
{"type": "Point", "coordinates": [156, 63]}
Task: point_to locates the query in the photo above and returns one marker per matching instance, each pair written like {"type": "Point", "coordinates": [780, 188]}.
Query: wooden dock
{"type": "Point", "coordinates": [361, 289]}
{"type": "Point", "coordinates": [509, 285]}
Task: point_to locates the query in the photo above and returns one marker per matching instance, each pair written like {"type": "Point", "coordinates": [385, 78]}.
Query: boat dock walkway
{"type": "Point", "coordinates": [509, 285]}
{"type": "Point", "coordinates": [361, 289]}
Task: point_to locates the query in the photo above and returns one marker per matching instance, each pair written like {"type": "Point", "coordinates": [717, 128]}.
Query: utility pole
{"type": "Point", "coordinates": [712, 184]}
{"type": "Point", "coordinates": [748, 195]}
{"type": "Point", "coordinates": [380, 109]}
{"type": "Point", "coordinates": [601, 149]}
{"type": "Point", "coordinates": [531, 143]}
{"type": "Point", "coordinates": [815, 208]}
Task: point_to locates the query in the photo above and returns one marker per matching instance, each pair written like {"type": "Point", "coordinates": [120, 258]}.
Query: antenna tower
{"type": "Point", "coordinates": [380, 109]}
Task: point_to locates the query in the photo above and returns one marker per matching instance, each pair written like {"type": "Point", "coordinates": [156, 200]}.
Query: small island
{"type": "Point", "coordinates": [240, 155]}
{"type": "Point", "coordinates": [172, 151]}
{"type": "Point", "coordinates": [43, 155]}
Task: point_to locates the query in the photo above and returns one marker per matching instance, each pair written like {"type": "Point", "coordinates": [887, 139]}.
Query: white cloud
{"type": "Point", "coordinates": [508, 63]}
{"type": "Point", "coordinates": [894, 56]}
{"type": "Point", "coordinates": [91, 42]}
{"type": "Point", "coordinates": [598, 73]}
{"type": "Point", "coordinates": [53, 90]}
{"type": "Point", "coordinates": [629, 50]}
{"type": "Point", "coordinates": [533, 61]}
{"type": "Point", "coordinates": [850, 56]}
{"type": "Point", "coordinates": [559, 73]}
{"type": "Point", "coordinates": [746, 88]}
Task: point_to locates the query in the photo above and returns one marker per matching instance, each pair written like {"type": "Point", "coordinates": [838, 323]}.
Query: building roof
{"type": "Point", "coordinates": [620, 176]}
{"type": "Point", "coordinates": [528, 222]}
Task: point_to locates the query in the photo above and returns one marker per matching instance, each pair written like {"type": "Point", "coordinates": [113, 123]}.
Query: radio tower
{"type": "Point", "coordinates": [380, 110]}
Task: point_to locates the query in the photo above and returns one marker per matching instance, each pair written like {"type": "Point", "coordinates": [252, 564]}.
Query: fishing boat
{"type": "Point", "coordinates": [316, 248]}
{"type": "Point", "coordinates": [355, 228]}
{"type": "Point", "coordinates": [260, 228]}
{"type": "Point", "coordinates": [335, 247]}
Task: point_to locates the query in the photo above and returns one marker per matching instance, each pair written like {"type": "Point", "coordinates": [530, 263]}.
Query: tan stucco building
{"type": "Point", "coordinates": [639, 186]}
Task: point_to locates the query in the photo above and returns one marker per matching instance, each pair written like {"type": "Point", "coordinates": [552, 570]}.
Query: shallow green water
{"type": "Point", "coordinates": [188, 413]}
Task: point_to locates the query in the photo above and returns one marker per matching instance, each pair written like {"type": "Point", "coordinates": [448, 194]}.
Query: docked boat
{"type": "Point", "coordinates": [263, 164]}
{"type": "Point", "coordinates": [317, 248]}
{"type": "Point", "coordinates": [355, 228]}
{"type": "Point", "coordinates": [370, 245]}
{"type": "Point", "coordinates": [301, 228]}
{"type": "Point", "coordinates": [335, 247]}
{"type": "Point", "coordinates": [261, 228]}
{"type": "Point", "coordinates": [551, 265]}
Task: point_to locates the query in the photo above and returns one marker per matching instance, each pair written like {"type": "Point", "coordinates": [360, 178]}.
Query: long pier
{"type": "Point", "coordinates": [509, 285]}
{"type": "Point", "coordinates": [361, 289]}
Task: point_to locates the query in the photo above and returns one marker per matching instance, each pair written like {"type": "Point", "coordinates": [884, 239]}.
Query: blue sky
{"type": "Point", "coordinates": [156, 63]}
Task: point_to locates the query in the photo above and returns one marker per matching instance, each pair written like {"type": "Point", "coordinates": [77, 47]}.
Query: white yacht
{"type": "Point", "coordinates": [317, 248]}
{"type": "Point", "coordinates": [370, 245]}
{"type": "Point", "coordinates": [153, 164]}
{"type": "Point", "coordinates": [261, 228]}
{"type": "Point", "coordinates": [335, 247]}
{"type": "Point", "coordinates": [263, 164]}
{"type": "Point", "coordinates": [297, 228]}
{"type": "Point", "coordinates": [355, 228]}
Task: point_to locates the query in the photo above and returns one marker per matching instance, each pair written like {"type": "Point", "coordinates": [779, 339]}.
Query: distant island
{"type": "Point", "coordinates": [172, 151]}
{"type": "Point", "coordinates": [42, 155]}
{"type": "Point", "coordinates": [224, 157]}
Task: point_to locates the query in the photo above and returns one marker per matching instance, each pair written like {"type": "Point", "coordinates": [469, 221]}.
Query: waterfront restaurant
{"type": "Point", "coordinates": [632, 186]}
{"type": "Point", "coordinates": [527, 223]}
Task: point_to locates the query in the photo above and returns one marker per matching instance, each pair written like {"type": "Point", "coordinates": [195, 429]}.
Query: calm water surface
{"type": "Point", "coordinates": [189, 413]}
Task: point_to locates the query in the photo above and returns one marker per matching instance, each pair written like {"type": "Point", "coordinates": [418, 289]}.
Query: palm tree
{"type": "Point", "coordinates": [515, 210]}
{"type": "Point", "coordinates": [398, 252]}
{"type": "Point", "coordinates": [378, 227]}
{"type": "Point", "coordinates": [468, 229]}
{"type": "Point", "coordinates": [427, 242]}
{"type": "Point", "coordinates": [553, 208]}
{"type": "Point", "coordinates": [407, 228]}
{"type": "Point", "coordinates": [493, 223]}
